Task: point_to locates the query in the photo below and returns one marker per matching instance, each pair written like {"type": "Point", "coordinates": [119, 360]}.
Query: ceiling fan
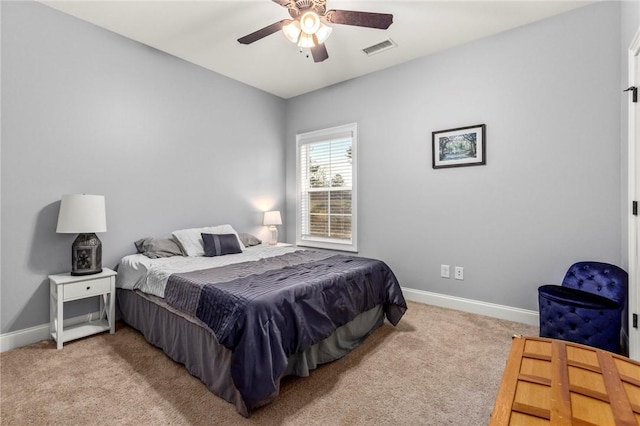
{"type": "Point", "coordinates": [307, 28]}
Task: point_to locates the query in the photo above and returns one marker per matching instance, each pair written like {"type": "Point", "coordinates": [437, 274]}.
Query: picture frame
{"type": "Point", "coordinates": [459, 147]}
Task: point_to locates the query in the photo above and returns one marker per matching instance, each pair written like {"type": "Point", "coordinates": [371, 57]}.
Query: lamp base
{"type": "Point", "coordinates": [86, 255]}
{"type": "Point", "coordinates": [273, 237]}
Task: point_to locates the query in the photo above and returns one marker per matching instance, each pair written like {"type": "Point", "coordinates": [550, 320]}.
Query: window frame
{"type": "Point", "coordinates": [318, 136]}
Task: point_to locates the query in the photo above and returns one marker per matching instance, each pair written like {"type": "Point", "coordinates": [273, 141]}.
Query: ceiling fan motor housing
{"type": "Point", "coordinates": [298, 7]}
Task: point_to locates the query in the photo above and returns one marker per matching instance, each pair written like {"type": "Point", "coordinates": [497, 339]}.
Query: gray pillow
{"type": "Point", "coordinates": [155, 248]}
{"type": "Point", "coordinates": [248, 240]}
{"type": "Point", "coordinates": [220, 244]}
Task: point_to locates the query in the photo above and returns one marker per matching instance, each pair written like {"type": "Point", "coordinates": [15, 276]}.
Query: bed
{"type": "Point", "coordinates": [242, 321]}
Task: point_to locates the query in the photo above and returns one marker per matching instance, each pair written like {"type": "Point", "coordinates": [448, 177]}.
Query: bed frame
{"type": "Point", "coordinates": [186, 340]}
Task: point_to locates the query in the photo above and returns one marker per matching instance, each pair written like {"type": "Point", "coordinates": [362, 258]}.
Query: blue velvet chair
{"type": "Point", "coordinates": [587, 307]}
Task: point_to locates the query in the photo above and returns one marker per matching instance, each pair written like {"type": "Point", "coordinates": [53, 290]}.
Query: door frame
{"type": "Point", "coordinates": [633, 175]}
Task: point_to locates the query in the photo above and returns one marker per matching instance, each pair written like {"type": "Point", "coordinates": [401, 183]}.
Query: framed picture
{"type": "Point", "coordinates": [464, 146]}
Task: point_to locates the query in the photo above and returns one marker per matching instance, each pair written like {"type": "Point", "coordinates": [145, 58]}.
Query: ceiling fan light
{"type": "Point", "coordinates": [292, 31]}
{"type": "Point", "coordinates": [310, 22]}
{"type": "Point", "coordinates": [306, 40]}
{"type": "Point", "coordinates": [323, 33]}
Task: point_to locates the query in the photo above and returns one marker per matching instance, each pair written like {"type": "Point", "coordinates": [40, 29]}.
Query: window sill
{"type": "Point", "coordinates": [352, 247]}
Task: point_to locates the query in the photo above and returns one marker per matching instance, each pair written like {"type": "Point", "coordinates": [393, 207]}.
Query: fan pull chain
{"type": "Point", "coordinates": [306, 54]}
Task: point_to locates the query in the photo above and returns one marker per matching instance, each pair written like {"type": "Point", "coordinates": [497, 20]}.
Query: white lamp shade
{"type": "Point", "coordinates": [81, 213]}
{"type": "Point", "coordinates": [292, 31]}
{"type": "Point", "coordinates": [272, 218]}
{"type": "Point", "coordinates": [309, 22]}
{"type": "Point", "coordinates": [323, 33]}
{"type": "Point", "coordinates": [306, 40]}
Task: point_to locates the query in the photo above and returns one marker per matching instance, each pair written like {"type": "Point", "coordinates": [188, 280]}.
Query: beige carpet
{"type": "Point", "coordinates": [438, 367]}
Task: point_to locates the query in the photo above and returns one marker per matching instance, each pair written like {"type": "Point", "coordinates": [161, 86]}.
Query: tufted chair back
{"type": "Point", "coordinates": [587, 307]}
{"type": "Point", "coordinates": [598, 278]}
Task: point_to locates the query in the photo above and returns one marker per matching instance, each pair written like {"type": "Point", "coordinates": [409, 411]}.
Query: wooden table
{"type": "Point", "coordinates": [553, 382]}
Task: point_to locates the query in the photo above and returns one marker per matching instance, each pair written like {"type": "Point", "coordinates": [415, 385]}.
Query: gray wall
{"type": "Point", "coordinates": [549, 195]}
{"type": "Point", "coordinates": [170, 145]}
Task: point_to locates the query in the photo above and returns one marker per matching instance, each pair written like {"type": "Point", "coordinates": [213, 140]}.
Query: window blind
{"type": "Point", "coordinates": [326, 187]}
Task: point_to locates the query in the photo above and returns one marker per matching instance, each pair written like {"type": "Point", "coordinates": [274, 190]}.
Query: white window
{"type": "Point", "coordinates": [326, 172]}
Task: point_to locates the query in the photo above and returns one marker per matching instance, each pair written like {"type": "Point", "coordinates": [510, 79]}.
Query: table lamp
{"type": "Point", "coordinates": [271, 219]}
{"type": "Point", "coordinates": [84, 215]}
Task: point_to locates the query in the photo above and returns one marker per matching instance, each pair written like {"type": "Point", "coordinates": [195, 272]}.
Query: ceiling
{"type": "Point", "coordinates": [206, 32]}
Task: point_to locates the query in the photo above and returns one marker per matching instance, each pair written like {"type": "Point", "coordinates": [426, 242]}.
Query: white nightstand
{"type": "Point", "coordinates": [65, 287]}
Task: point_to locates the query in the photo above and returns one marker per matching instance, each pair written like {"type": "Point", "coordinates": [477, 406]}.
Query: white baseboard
{"type": "Point", "coordinates": [473, 306]}
{"type": "Point", "coordinates": [16, 339]}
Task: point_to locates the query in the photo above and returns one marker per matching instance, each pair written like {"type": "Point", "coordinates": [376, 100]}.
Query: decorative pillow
{"type": "Point", "coordinates": [220, 244]}
{"type": "Point", "coordinates": [190, 240]}
{"type": "Point", "coordinates": [155, 248]}
{"type": "Point", "coordinates": [248, 240]}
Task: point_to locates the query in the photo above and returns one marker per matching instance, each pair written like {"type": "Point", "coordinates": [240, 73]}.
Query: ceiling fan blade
{"type": "Point", "coordinates": [381, 21]}
{"type": "Point", "coordinates": [319, 52]}
{"type": "Point", "coordinates": [283, 3]}
{"type": "Point", "coordinates": [262, 33]}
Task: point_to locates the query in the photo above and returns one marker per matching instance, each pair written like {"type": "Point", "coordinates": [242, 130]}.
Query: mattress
{"type": "Point", "coordinates": [138, 272]}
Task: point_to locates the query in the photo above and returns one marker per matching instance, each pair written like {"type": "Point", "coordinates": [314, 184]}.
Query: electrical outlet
{"type": "Point", "coordinates": [459, 273]}
{"type": "Point", "coordinates": [444, 271]}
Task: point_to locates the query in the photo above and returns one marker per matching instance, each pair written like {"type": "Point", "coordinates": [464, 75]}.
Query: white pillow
{"type": "Point", "coordinates": [191, 241]}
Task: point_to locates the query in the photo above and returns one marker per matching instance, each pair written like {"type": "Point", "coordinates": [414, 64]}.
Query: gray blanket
{"type": "Point", "coordinates": [264, 312]}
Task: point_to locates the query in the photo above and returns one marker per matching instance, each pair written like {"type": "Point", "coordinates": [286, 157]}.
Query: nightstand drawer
{"type": "Point", "coordinates": [87, 288]}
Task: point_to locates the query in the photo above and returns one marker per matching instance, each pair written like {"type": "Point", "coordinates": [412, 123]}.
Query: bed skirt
{"type": "Point", "coordinates": [186, 340]}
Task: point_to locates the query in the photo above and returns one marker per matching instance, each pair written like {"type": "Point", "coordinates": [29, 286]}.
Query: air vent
{"type": "Point", "coordinates": [380, 47]}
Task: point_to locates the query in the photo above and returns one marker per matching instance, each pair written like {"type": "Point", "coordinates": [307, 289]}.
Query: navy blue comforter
{"type": "Point", "coordinates": [264, 318]}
